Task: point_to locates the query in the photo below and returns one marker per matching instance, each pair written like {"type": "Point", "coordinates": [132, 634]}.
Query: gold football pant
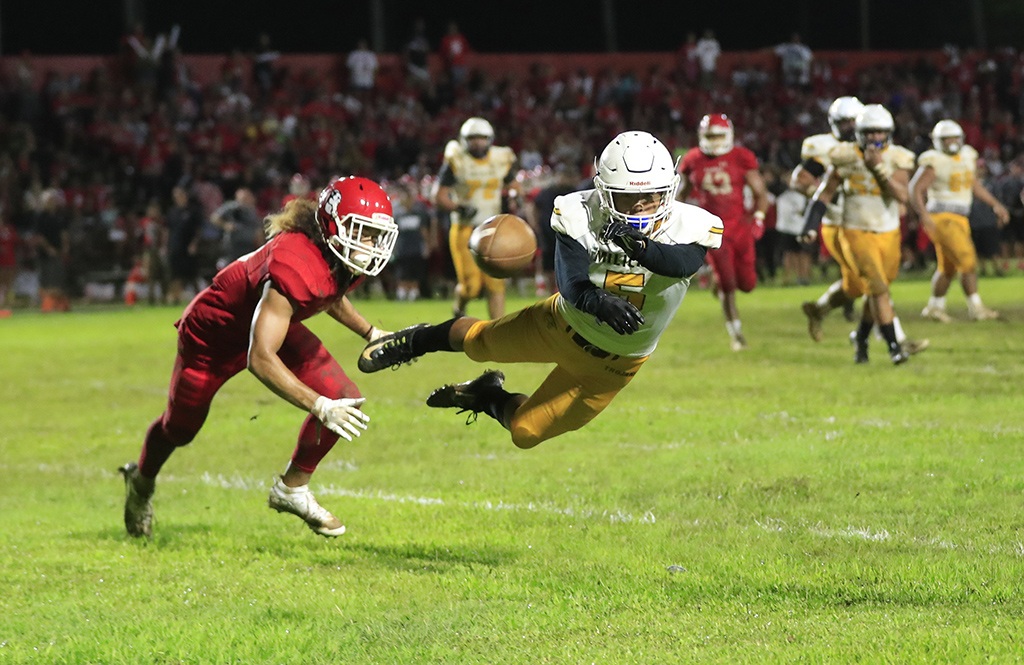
{"type": "Point", "coordinates": [853, 286]}
{"type": "Point", "coordinates": [583, 383]}
{"type": "Point", "coordinates": [954, 248]}
{"type": "Point", "coordinates": [471, 279]}
{"type": "Point", "coordinates": [875, 256]}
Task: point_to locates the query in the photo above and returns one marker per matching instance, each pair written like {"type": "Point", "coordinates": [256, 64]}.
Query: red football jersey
{"type": "Point", "coordinates": [717, 182]}
{"type": "Point", "coordinates": [221, 314]}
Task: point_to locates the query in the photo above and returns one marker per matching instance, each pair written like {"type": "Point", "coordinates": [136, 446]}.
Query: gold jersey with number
{"type": "Point", "coordinates": [864, 206]}
{"type": "Point", "coordinates": [479, 182]}
{"type": "Point", "coordinates": [951, 190]}
{"type": "Point", "coordinates": [818, 147]}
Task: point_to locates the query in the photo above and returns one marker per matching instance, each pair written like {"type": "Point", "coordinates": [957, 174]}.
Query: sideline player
{"type": "Point", "coordinates": [715, 174]}
{"type": "Point", "coordinates": [872, 175]}
{"type": "Point", "coordinates": [471, 182]}
{"type": "Point", "coordinates": [625, 253]}
{"type": "Point", "coordinates": [250, 317]}
{"type": "Point", "coordinates": [941, 193]}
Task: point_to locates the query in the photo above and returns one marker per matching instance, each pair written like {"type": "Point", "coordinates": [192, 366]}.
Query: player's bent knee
{"type": "Point", "coordinates": [525, 437]}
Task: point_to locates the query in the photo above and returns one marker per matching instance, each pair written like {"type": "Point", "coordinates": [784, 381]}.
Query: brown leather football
{"type": "Point", "coordinates": [503, 246]}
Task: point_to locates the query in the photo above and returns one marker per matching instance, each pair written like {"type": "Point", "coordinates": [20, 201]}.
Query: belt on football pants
{"type": "Point", "coordinates": [580, 341]}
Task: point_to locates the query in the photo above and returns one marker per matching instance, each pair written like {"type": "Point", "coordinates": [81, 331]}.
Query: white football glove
{"type": "Point", "coordinates": [341, 416]}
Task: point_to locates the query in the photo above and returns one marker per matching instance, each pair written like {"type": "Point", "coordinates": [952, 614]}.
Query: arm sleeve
{"type": "Point", "coordinates": [512, 170]}
{"type": "Point", "coordinates": [673, 260]}
{"type": "Point", "coordinates": [572, 274]}
{"type": "Point", "coordinates": [446, 178]}
{"type": "Point", "coordinates": [814, 167]}
{"type": "Point", "coordinates": [813, 217]}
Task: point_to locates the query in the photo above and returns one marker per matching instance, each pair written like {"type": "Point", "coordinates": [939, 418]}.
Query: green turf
{"type": "Point", "coordinates": [775, 505]}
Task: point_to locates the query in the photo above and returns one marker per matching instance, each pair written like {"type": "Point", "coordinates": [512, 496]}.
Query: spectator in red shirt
{"type": "Point", "coordinates": [8, 261]}
{"type": "Point", "coordinates": [251, 317]}
{"type": "Point", "coordinates": [454, 49]}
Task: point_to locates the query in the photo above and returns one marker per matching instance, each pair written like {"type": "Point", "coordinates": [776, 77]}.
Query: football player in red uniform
{"type": "Point", "coordinates": [251, 317]}
{"type": "Point", "coordinates": [714, 175]}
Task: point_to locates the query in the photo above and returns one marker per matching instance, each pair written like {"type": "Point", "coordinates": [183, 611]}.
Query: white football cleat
{"type": "Point", "coordinates": [936, 314]}
{"type": "Point", "coordinates": [982, 313]}
{"type": "Point", "coordinates": [738, 342]}
{"type": "Point", "coordinates": [300, 501]}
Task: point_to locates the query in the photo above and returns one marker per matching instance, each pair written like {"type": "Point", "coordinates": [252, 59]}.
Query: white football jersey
{"type": "Point", "coordinates": [478, 182]}
{"type": "Point", "coordinates": [818, 147]}
{"type": "Point", "coordinates": [951, 190]}
{"type": "Point", "coordinates": [579, 215]}
{"type": "Point", "coordinates": [864, 207]}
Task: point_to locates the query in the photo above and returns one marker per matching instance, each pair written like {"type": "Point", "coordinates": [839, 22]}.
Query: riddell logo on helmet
{"type": "Point", "coordinates": [639, 183]}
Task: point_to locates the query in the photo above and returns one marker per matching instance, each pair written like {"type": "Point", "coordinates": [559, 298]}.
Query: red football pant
{"type": "Point", "coordinates": [199, 372]}
{"type": "Point", "coordinates": [735, 262]}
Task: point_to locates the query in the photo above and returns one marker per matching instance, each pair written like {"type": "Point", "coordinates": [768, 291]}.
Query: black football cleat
{"type": "Point", "coordinates": [389, 351]}
{"type": "Point", "coordinates": [474, 395]}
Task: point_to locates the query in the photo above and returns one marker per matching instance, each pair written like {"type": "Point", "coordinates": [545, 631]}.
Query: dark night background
{"type": "Point", "coordinates": [52, 27]}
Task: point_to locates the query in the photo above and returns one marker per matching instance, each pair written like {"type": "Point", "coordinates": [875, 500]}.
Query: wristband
{"type": "Point", "coordinates": [759, 216]}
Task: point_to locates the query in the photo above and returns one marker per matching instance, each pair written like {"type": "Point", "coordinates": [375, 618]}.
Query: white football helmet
{"type": "Point", "coordinates": [874, 118]}
{"type": "Point", "coordinates": [476, 127]}
{"type": "Point", "coordinates": [636, 163]}
{"type": "Point", "coordinates": [844, 110]}
{"type": "Point", "coordinates": [715, 134]}
{"type": "Point", "coordinates": [948, 129]}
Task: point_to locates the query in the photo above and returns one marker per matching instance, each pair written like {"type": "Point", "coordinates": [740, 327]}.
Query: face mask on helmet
{"type": "Point", "coordinates": [636, 180]}
{"type": "Point", "coordinates": [874, 120]}
{"type": "Point", "coordinates": [356, 219]}
{"type": "Point", "coordinates": [842, 117]}
{"type": "Point", "coordinates": [945, 130]}
{"type": "Point", "coordinates": [715, 134]}
{"type": "Point", "coordinates": [476, 136]}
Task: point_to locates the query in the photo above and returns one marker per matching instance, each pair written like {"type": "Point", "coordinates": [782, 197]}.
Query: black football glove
{"type": "Point", "coordinates": [618, 313]}
{"type": "Point", "coordinates": [625, 236]}
{"type": "Point", "coordinates": [466, 212]}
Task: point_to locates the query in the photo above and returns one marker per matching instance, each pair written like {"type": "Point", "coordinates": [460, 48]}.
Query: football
{"type": "Point", "coordinates": [503, 246]}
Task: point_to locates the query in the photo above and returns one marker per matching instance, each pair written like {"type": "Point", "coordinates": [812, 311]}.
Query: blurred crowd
{"type": "Point", "coordinates": [137, 182]}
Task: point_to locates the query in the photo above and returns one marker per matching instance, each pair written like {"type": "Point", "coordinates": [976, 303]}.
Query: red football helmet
{"type": "Point", "coordinates": [357, 222]}
{"type": "Point", "coordinates": [715, 134]}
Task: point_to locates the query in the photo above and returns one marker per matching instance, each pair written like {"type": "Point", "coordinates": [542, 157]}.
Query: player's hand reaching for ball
{"type": "Point", "coordinates": [341, 416]}
{"type": "Point", "coordinates": [631, 240]}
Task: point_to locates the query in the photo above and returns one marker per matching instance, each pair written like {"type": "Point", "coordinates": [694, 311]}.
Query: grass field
{"type": "Point", "coordinates": [777, 505]}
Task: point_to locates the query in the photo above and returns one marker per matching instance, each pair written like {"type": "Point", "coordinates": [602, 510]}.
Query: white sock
{"type": "Point", "coordinates": [733, 327]}
{"type": "Point", "coordinates": [937, 302]}
{"type": "Point", "coordinates": [900, 335]}
{"type": "Point", "coordinates": [974, 302]}
{"type": "Point", "coordinates": [291, 490]}
{"type": "Point", "coordinates": [823, 299]}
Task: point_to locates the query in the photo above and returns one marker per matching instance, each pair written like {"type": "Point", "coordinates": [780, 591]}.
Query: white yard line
{"type": "Point", "coordinates": [874, 535]}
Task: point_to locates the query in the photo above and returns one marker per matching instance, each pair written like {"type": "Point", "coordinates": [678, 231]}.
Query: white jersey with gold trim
{"type": "Point", "coordinates": [818, 147]}
{"type": "Point", "coordinates": [864, 207]}
{"type": "Point", "coordinates": [952, 188]}
{"type": "Point", "coordinates": [479, 182]}
{"type": "Point", "coordinates": [579, 215]}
